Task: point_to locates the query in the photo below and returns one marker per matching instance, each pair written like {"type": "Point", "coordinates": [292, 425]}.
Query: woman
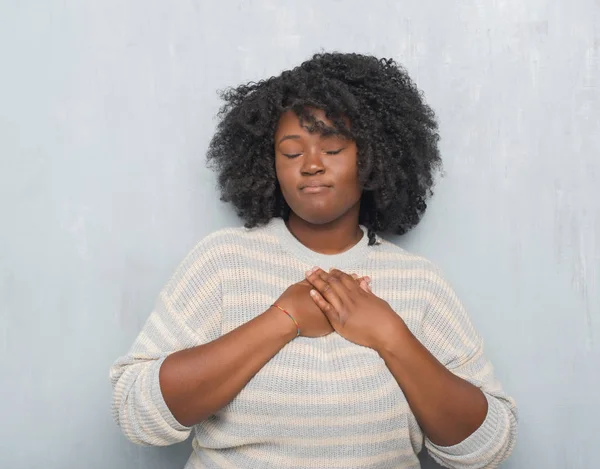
{"type": "Point", "coordinates": [269, 342]}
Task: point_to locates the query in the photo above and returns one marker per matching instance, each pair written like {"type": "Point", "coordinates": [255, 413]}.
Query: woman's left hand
{"type": "Point", "coordinates": [354, 311]}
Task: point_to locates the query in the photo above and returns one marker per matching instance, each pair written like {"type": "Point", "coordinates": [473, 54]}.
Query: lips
{"type": "Point", "coordinates": [314, 185]}
{"type": "Point", "coordinates": [315, 189]}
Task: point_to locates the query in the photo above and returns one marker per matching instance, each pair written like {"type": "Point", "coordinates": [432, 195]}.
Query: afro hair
{"type": "Point", "coordinates": [394, 129]}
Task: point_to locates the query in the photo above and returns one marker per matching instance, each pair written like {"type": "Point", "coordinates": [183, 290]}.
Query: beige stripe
{"type": "Point", "coordinates": [396, 294]}
{"type": "Point", "coordinates": [256, 275]}
{"type": "Point", "coordinates": [399, 256]}
{"type": "Point", "coordinates": [302, 399]}
{"type": "Point", "coordinates": [345, 463]}
{"type": "Point", "coordinates": [391, 274]}
{"type": "Point", "coordinates": [245, 234]}
{"type": "Point", "coordinates": [200, 256]}
{"type": "Point", "coordinates": [459, 326]}
{"type": "Point", "coordinates": [259, 256]}
{"type": "Point", "coordinates": [162, 331]}
{"type": "Point", "coordinates": [400, 408]}
{"type": "Point", "coordinates": [378, 277]}
{"type": "Point", "coordinates": [246, 301]}
{"type": "Point", "coordinates": [276, 370]}
{"type": "Point", "coordinates": [482, 375]}
{"type": "Point", "coordinates": [362, 439]}
{"type": "Point", "coordinates": [476, 363]}
{"type": "Point", "coordinates": [214, 455]}
{"type": "Point", "coordinates": [433, 335]}
{"type": "Point", "coordinates": [297, 348]}
{"type": "Point", "coordinates": [148, 343]}
{"type": "Point", "coordinates": [138, 405]}
{"type": "Point", "coordinates": [200, 291]}
{"type": "Point", "coordinates": [420, 273]}
{"type": "Point", "coordinates": [208, 324]}
{"type": "Point", "coordinates": [317, 354]}
{"type": "Point", "coordinates": [491, 385]}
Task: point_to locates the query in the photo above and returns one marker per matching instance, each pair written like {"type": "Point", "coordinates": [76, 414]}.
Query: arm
{"type": "Point", "coordinates": [448, 334]}
{"type": "Point", "coordinates": [468, 421]}
{"type": "Point", "coordinates": [447, 407]}
{"type": "Point", "coordinates": [158, 397]}
{"type": "Point", "coordinates": [199, 381]}
{"type": "Point", "coordinates": [179, 370]}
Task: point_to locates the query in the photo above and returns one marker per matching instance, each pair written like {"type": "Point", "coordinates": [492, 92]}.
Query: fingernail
{"type": "Point", "coordinates": [313, 293]}
{"type": "Point", "coordinates": [314, 269]}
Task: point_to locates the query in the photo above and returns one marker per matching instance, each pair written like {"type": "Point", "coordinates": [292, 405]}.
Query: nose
{"type": "Point", "coordinates": [312, 163]}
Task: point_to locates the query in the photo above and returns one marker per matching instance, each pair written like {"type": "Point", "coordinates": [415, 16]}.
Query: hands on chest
{"type": "Point", "coordinates": [336, 301]}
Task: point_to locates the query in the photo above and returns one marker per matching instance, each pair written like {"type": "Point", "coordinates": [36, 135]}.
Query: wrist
{"type": "Point", "coordinates": [395, 333]}
{"type": "Point", "coordinates": [283, 325]}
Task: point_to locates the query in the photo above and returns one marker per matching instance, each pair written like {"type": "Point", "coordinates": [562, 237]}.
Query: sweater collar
{"type": "Point", "coordinates": [355, 255]}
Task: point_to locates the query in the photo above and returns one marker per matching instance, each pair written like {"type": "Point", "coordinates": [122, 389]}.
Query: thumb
{"type": "Point", "coordinates": [328, 310]}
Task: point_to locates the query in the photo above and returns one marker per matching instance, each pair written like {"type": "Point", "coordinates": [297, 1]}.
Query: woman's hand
{"type": "Point", "coordinates": [353, 310]}
{"type": "Point", "coordinates": [297, 301]}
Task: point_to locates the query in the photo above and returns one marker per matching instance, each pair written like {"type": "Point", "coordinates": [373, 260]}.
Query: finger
{"type": "Point", "coordinates": [324, 306]}
{"type": "Point", "coordinates": [327, 286]}
{"type": "Point", "coordinates": [365, 286]}
{"type": "Point", "coordinates": [339, 281]}
{"type": "Point", "coordinates": [344, 278]}
{"type": "Point", "coordinates": [342, 283]}
{"type": "Point", "coordinates": [360, 279]}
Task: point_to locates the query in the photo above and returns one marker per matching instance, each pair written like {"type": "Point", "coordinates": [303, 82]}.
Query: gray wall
{"type": "Point", "coordinates": [106, 110]}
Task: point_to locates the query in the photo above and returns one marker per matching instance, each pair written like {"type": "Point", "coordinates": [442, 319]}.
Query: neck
{"type": "Point", "coordinates": [329, 238]}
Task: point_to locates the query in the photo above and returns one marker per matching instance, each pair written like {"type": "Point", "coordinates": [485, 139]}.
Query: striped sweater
{"type": "Point", "coordinates": [320, 402]}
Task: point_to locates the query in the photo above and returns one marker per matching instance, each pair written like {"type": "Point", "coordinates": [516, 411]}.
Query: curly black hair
{"type": "Point", "coordinates": [394, 129]}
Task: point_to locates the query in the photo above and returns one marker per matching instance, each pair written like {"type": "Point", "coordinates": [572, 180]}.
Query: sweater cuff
{"type": "Point", "coordinates": [159, 401]}
{"type": "Point", "coordinates": [480, 438]}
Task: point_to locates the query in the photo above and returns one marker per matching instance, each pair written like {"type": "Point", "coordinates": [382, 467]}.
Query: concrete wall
{"type": "Point", "coordinates": [106, 110]}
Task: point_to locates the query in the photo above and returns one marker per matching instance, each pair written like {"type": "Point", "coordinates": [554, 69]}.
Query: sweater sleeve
{"type": "Point", "coordinates": [450, 336]}
{"type": "Point", "coordinates": [187, 313]}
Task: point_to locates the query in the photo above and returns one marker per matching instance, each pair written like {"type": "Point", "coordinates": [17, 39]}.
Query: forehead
{"type": "Point", "coordinates": [290, 121]}
{"type": "Point", "coordinates": [312, 124]}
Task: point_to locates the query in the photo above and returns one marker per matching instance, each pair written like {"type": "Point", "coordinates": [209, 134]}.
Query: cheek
{"type": "Point", "coordinates": [349, 173]}
{"type": "Point", "coordinates": [283, 173]}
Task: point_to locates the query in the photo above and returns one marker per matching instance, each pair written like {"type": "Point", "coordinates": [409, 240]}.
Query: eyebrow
{"type": "Point", "coordinates": [289, 137]}
{"type": "Point", "coordinates": [323, 137]}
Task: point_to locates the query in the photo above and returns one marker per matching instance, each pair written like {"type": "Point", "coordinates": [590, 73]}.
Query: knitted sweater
{"type": "Point", "coordinates": [320, 402]}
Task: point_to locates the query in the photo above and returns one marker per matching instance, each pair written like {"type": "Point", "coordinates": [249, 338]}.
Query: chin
{"type": "Point", "coordinates": [317, 217]}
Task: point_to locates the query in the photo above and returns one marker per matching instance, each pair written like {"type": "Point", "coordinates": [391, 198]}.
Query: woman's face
{"type": "Point", "coordinates": [318, 175]}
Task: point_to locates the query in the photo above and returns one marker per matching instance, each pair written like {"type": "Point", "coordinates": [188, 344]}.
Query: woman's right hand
{"type": "Point", "coordinates": [297, 301]}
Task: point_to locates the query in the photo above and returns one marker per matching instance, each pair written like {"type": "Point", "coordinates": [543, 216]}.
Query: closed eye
{"type": "Point", "coordinates": [334, 152]}
{"type": "Point", "coordinates": [294, 155]}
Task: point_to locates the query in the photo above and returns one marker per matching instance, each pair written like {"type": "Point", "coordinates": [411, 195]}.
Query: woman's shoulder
{"type": "Point", "coordinates": [394, 256]}
{"type": "Point", "coordinates": [230, 239]}
{"type": "Point", "coordinates": [215, 251]}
